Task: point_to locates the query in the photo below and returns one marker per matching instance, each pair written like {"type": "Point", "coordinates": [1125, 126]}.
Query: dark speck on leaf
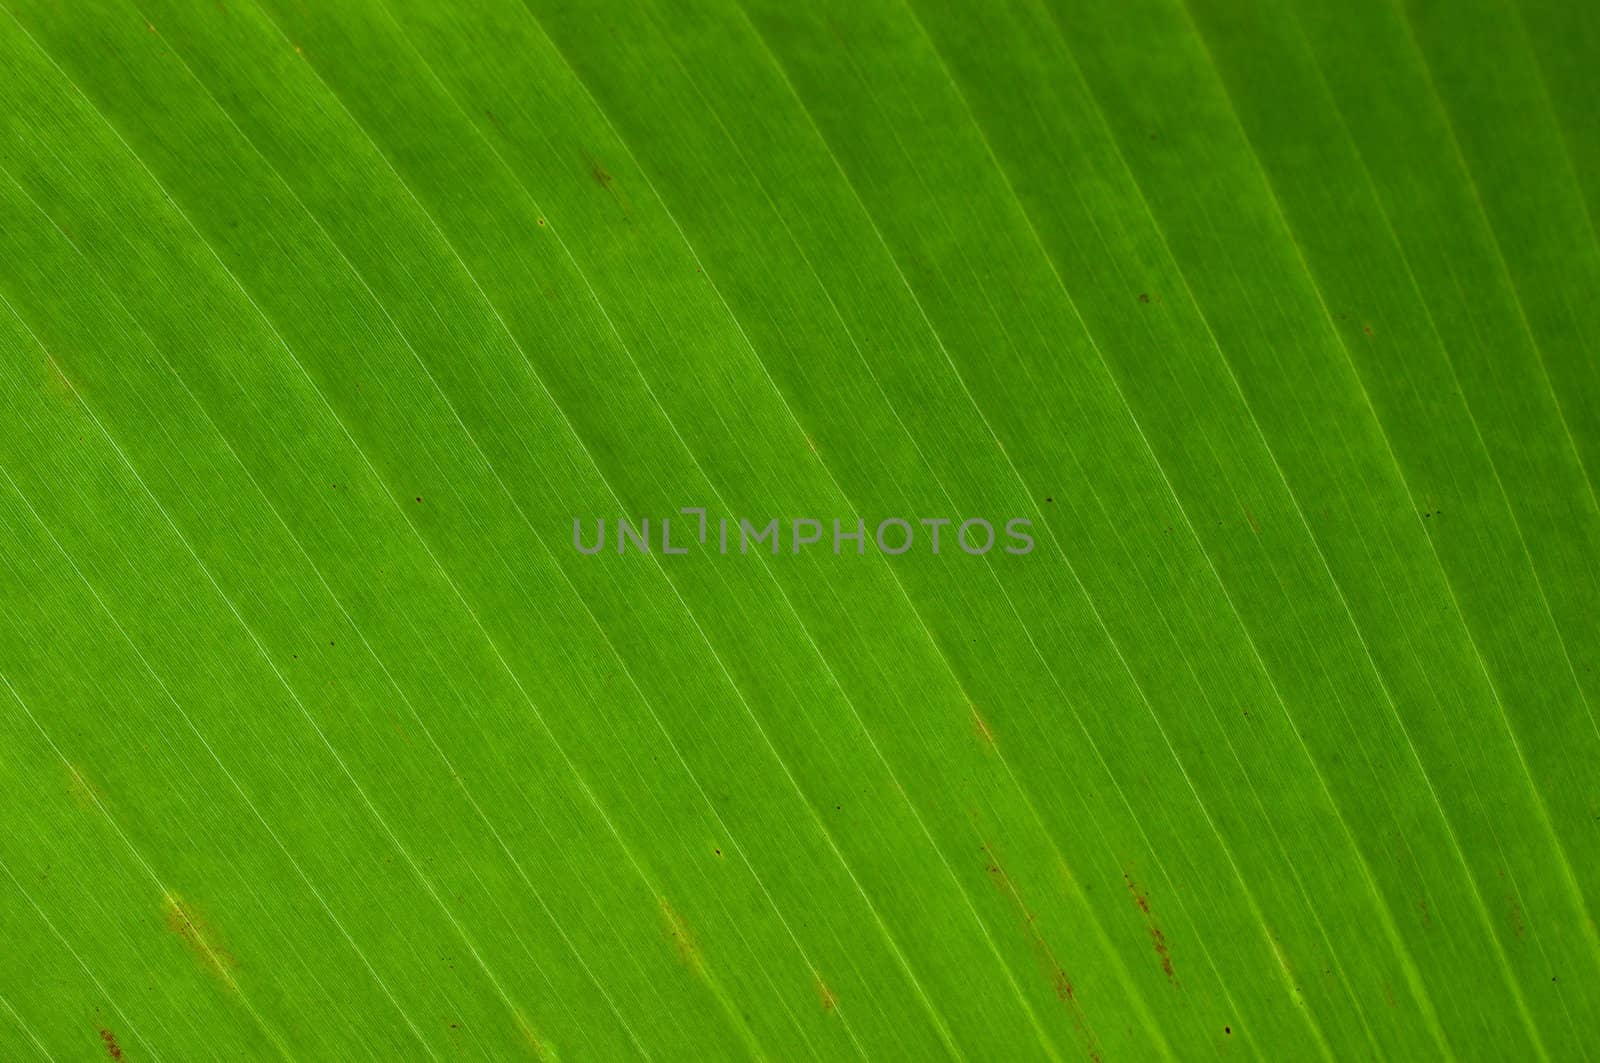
{"type": "Point", "coordinates": [1144, 297]}
{"type": "Point", "coordinates": [419, 498]}
{"type": "Point", "coordinates": [1227, 1029]}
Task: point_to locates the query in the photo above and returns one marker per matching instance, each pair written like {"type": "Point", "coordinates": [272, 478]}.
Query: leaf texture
{"type": "Point", "coordinates": [325, 326]}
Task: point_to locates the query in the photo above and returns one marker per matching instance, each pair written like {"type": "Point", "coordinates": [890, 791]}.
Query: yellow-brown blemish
{"type": "Point", "coordinates": [825, 995]}
{"type": "Point", "coordinates": [196, 933]}
{"type": "Point", "coordinates": [981, 726]}
{"type": "Point", "coordinates": [682, 939]}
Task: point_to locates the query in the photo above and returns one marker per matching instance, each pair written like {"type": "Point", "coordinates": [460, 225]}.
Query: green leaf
{"type": "Point", "coordinates": [1260, 336]}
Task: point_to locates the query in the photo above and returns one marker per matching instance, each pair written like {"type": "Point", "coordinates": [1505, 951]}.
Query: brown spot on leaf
{"type": "Point", "coordinates": [1158, 937]}
{"type": "Point", "coordinates": [1160, 941]}
{"type": "Point", "coordinates": [201, 940]}
{"type": "Point", "coordinates": [109, 1039]}
{"type": "Point", "coordinates": [981, 726]}
{"type": "Point", "coordinates": [825, 995]}
{"type": "Point", "coordinates": [1138, 896]}
{"type": "Point", "coordinates": [602, 177]}
{"type": "Point", "coordinates": [85, 794]}
{"type": "Point", "coordinates": [1049, 965]}
{"type": "Point", "coordinates": [682, 939]}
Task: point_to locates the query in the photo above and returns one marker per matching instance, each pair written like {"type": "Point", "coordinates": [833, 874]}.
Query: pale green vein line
{"type": "Point", "coordinates": [594, 295]}
{"type": "Point", "coordinates": [1525, 39]}
{"type": "Point", "coordinates": [1044, 1036]}
{"type": "Point", "coordinates": [778, 392]}
{"type": "Point", "coordinates": [76, 774]}
{"type": "Point", "coordinates": [1205, 692]}
{"type": "Point", "coordinates": [588, 791]}
{"type": "Point", "coordinates": [1494, 237]}
{"type": "Point", "coordinates": [411, 708]}
{"type": "Point", "coordinates": [183, 713]}
{"type": "Point", "coordinates": [572, 428]}
{"type": "Point", "coordinates": [1322, 557]}
{"type": "Point", "coordinates": [599, 304]}
{"type": "Point", "coordinates": [1444, 114]}
{"type": "Point", "coordinates": [1013, 471]}
{"type": "Point", "coordinates": [1185, 656]}
{"type": "Point", "coordinates": [845, 496]}
{"type": "Point", "coordinates": [988, 426]}
{"type": "Point", "coordinates": [48, 922]}
{"type": "Point", "coordinates": [1466, 169]}
{"type": "Point", "coordinates": [1328, 317]}
{"type": "Point", "coordinates": [1305, 749]}
{"type": "Point", "coordinates": [361, 635]}
{"type": "Point", "coordinates": [1182, 510]}
{"type": "Point", "coordinates": [261, 648]}
{"type": "Point", "coordinates": [1589, 927]}
{"type": "Point", "coordinates": [1344, 602]}
{"type": "Point", "coordinates": [489, 303]}
{"type": "Point", "coordinates": [1449, 121]}
{"type": "Point", "coordinates": [1409, 964]}
{"type": "Point", "coordinates": [21, 1023]}
{"type": "Point", "coordinates": [727, 1004]}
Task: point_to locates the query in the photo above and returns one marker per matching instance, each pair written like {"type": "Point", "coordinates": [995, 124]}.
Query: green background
{"type": "Point", "coordinates": [322, 322]}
